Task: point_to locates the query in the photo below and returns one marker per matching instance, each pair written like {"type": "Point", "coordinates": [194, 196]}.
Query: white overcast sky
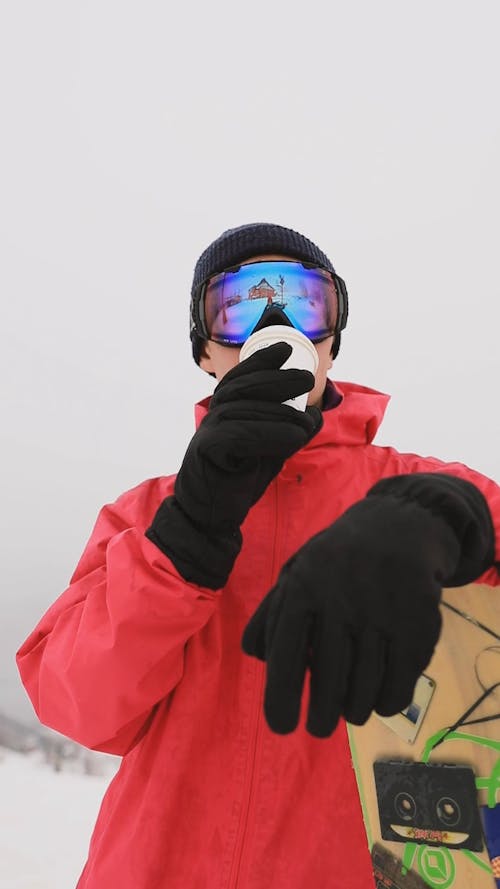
{"type": "Point", "coordinates": [133, 133]}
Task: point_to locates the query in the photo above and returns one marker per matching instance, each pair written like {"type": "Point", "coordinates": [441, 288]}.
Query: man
{"type": "Point", "coordinates": [287, 547]}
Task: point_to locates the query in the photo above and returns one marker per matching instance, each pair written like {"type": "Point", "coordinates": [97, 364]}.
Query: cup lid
{"type": "Point", "coordinates": [278, 333]}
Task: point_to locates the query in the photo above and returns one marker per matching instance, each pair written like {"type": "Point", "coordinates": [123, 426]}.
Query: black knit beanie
{"type": "Point", "coordinates": [237, 244]}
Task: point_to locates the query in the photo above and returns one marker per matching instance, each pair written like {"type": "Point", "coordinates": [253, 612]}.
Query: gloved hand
{"type": "Point", "coordinates": [240, 446]}
{"type": "Point", "coordinates": [358, 604]}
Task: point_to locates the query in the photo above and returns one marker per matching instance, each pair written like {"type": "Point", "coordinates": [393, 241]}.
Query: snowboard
{"type": "Point", "coordinates": [429, 777]}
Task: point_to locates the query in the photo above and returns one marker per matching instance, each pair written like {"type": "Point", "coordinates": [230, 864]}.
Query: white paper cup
{"type": "Point", "coordinates": [303, 357]}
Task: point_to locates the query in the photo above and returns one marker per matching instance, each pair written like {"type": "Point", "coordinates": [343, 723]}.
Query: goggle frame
{"type": "Point", "coordinates": [198, 319]}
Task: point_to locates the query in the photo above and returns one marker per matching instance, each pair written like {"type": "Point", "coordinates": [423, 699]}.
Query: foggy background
{"type": "Point", "coordinates": [133, 134]}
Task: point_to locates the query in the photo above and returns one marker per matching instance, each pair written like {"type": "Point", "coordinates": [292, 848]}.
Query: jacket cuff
{"type": "Point", "coordinates": [461, 505]}
{"type": "Point", "coordinates": [202, 559]}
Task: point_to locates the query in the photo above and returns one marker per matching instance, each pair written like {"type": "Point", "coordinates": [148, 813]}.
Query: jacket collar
{"type": "Point", "coordinates": [354, 421]}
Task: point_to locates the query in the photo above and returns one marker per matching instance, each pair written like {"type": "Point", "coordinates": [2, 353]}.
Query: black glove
{"type": "Point", "coordinates": [239, 448]}
{"type": "Point", "coordinates": [358, 604]}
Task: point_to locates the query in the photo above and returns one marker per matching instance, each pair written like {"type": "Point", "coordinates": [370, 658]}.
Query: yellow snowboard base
{"type": "Point", "coordinates": [426, 775]}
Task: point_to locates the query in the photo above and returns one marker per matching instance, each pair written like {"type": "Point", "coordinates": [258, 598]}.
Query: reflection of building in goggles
{"type": "Point", "coordinates": [236, 302]}
{"type": "Point", "coordinates": [262, 290]}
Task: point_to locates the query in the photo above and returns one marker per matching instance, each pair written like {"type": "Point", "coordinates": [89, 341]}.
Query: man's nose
{"type": "Point", "coordinates": [272, 315]}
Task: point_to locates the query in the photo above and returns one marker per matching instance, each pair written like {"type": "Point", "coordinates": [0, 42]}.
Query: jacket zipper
{"type": "Point", "coordinates": [249, 791]}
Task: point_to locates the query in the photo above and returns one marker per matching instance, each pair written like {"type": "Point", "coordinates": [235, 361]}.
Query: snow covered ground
{"type": "Point", "coordinates": [46, 819]}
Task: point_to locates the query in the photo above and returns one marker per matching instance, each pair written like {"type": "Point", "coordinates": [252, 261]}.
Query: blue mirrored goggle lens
{"type": "Point", "coordinates": [235, 302]}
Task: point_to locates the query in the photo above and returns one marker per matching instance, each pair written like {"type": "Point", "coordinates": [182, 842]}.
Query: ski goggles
{"type": "Point", "coordinates": [235, 302]}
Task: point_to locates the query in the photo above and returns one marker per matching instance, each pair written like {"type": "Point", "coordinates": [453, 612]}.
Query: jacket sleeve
{"type": "Point", "coordinates": [488, 488]}
{"type": "Point", "coordinates": [112, 645]}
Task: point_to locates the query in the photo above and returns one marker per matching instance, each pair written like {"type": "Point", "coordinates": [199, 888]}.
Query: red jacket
{"type": "Point", "coordinates": [134, 661]}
